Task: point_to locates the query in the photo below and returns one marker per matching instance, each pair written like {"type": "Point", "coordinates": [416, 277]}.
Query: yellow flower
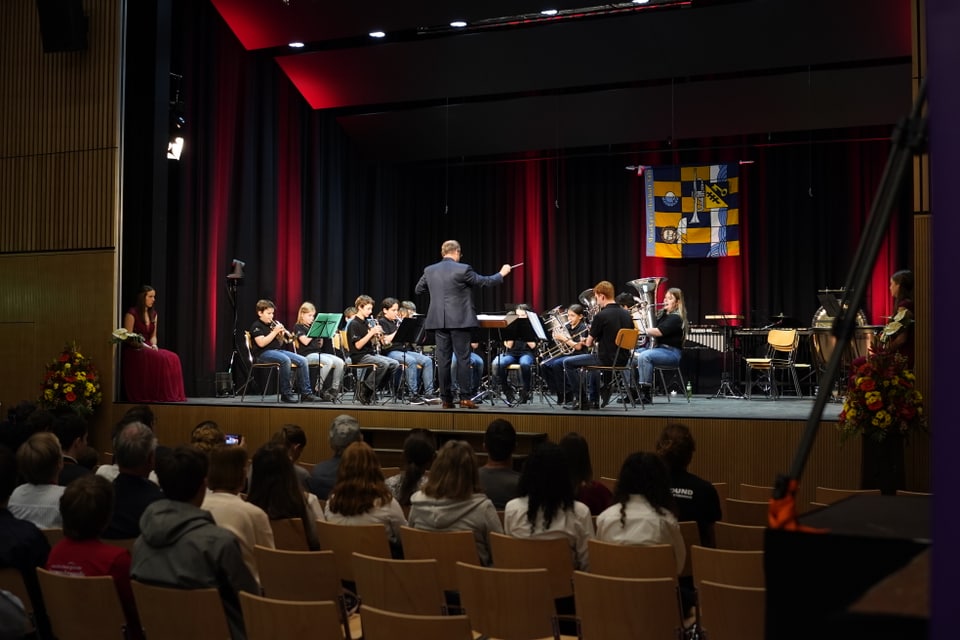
{"type": "Point", "coordinates": [882, 419]}
{"type": "Point", "coordinates": [48, 394]}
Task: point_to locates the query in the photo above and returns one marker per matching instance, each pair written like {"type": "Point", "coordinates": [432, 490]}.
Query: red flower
{"type": "Point", "coordinates": [71, 396]}
{"type": "Point", "coordinates": [867, 384]}
{"type": "Point", "coordinates": [64, 356]}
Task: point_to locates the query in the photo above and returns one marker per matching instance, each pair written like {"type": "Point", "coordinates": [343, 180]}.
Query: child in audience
{"type": "Point", "coordinates": [275, 488]}
{"type": "Point", "coordinates": [587, 490]}
{"type": "Point", "coordinates": [419, 450]}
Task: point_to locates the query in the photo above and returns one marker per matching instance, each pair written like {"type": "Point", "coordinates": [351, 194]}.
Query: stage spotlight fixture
{"type": "Point", "coordinates": [236, 272]}
{"type": "Point", "coordinates": [177, 119]}
{"type": "Point", "coordinates": [458, 24]}
{"type": "Point", "coordinates": [378, 34]}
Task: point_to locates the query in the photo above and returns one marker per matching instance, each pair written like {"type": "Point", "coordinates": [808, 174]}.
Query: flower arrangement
{"type": "Point", "coordinates": [71, 381]}
{"type": "Point", "coordinates": [882, 399]}
{"type": "Point", "coordinates": [121, 335]}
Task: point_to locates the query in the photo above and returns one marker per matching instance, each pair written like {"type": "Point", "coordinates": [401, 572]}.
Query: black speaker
{"type": "Point", "coordinates": [63, 25]}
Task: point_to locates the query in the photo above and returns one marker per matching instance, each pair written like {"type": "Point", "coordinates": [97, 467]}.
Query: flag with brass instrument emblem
{"type": "Point", "coordinates": [692, 211]}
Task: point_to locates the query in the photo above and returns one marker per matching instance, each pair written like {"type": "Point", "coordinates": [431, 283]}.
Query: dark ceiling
{"type": "Point", "coordinates": [580, 81]}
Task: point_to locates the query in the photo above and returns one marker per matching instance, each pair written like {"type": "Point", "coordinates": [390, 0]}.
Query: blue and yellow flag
{"type": "Point", "coordinates": [693, 211]}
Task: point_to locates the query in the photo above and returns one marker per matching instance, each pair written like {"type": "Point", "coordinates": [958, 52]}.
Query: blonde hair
{"type": "Point", "coordinates": [454, 473]}
{"type": "Point", "coordinates": [306, 307]}
{"type": "Point", "coordinates": [681, 307]}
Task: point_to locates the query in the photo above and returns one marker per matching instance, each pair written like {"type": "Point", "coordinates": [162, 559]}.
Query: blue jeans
{"type": "Point", "coordinates": [571, 368]}
{"type": "Point", "coordinates": [504, 360]}
{"type": "Point", "coordinates": [331, 370]}
{"type": "Point", "coordinates": [661, 356]}
{"type": "Point", "coordinates": [476, 371]}
{"type": "Point", "coordinates": [414, 372]}
{"type": "Point", "coordinates": [285, 358]}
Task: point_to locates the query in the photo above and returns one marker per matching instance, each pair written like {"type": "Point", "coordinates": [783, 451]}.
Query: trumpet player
{"type": "Point", "coordinates": [571, 340]}
{"type": "Point", "coordinates": [268, 338]}
{"type": "Point", "coordinates": [669, 334]}
{"type": "Point", "coordinates": [364, 335]}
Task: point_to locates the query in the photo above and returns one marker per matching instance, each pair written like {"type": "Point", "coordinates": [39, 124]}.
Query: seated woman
{"type": "Point", "coordinates": [587, 490]}
{"type": "Point", "coordinates": [419, 450]}
{"type": "Point", "coordinates": [643, 509]}
{"type": "Point", "coordinates": [453, 500]}
{"type": "Point", "coordinates": [361, 495]}
{"type": "Point", "coordinates": [275, 488]}
{"type": "Point", "coordinates": [546, 507]}
{"type": "Point", "coordinates": [150, 374]}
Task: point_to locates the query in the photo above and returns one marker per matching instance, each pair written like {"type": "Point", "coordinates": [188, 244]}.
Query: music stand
{"type": "Point", "coordinates": [726, 389]}
{"type": "Point", "coordinates": [489, 388]}
{"type": "Point", "coordinates": [527, 328]}
{"type": "Point", "coordinates": [408, 332]}
{"type": "Point", "coordinates": [324, 325]}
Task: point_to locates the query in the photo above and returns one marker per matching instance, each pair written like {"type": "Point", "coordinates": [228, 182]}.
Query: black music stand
{"type": "Point", "coordinates": [726, 389]}
{"type": "Point", "coordinates": [408, 332]}
{"type": "Point", "coordinates": [324, 325]}
{"type": "Point", "coordinates": [489, 386]}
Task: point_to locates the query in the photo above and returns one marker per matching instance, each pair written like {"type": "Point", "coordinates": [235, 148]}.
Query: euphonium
{"type": "Point", "coordinates": [556, 324]}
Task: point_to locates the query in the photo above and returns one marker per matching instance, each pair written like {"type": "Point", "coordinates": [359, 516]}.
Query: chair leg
{"type": "Point", "coordinates": [663, 383]}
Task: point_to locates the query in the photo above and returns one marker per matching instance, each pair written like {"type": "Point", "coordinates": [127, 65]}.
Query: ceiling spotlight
{"type": "Point", "coordinates": [458, 24]}
{"type": "Point", "coordinates": [378, 34]}
{"type": "Point", "coordinates": [640, 1]}
{"type": "Point", "coordinates": [296, 45]}
{"type": "Point", "coordinates": [175, 148]}
{"type": "Point", "coordinates": [549, 12]}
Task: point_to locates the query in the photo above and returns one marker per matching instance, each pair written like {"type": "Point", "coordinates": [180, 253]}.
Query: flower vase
{"type": "Point", "coordinates": [882, 465]}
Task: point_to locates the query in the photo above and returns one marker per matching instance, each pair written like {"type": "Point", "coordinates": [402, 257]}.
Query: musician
{"type": "Point", "coordinates": [416, 364]}
{"type": "Point", "coordinates": [319, 351]}
{"type": "Point", "coordinates": [603, 332]}
{"type": "Point", "coordinates": [363, 340]}
{"type": "Point", "coordinates": [450, 284]}
{"type": "Point", "coordinates": [668, 335]}
{"type": "Point", "coordinates": [571, 338]}
{"type": "Point", "coordinates": [897, 335]}
{"type": "Point", "coordinates": [268, 340]}
{"type": "Point", "coordinates": [516, 352]}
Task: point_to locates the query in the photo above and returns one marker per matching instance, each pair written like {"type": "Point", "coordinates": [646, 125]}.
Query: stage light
{"type": "Point", "coordinates": [296, 45]}
{"type": "Point", "coordinates": [236, 272]}
{"type": "Point", "coordinates": [177, 119]}
{"type": "Point", "coordinates": [175, 147]}
{"type": "Point", "coordinates": [458, 24]}
{"type": "Point", "coordinates": [378, 34]}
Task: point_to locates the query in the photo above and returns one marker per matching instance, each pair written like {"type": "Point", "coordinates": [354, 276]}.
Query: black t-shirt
{"type": "Point", "coordinates": [306, 349]}
{"type": "Point", "coordinates": [671, 326]}
{"type": "Point", "coordinates": [259, 328]}
{"type": "Point", "coordinates": [356, 330]}
{"type": "Point", "coordinates": [604, 330]}
{"type": "Point", "coordinates": [696, 500]}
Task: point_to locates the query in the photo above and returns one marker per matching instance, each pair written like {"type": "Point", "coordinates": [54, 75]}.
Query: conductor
{"type": "Point", "coordinates": [452, 316]}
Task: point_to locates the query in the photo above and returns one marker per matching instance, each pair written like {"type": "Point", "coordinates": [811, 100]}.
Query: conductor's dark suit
{"type": "Point", "coordinates": [452, 316]}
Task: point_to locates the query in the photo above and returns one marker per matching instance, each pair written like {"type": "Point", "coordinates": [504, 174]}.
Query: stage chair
{"type": "Point", "coordinates": [552, 554]}
{"type": "Point", "coordinates": [269, 619]}
{"type": "Point", "coordinates": [71, 602]}
{"type": "Point", "coordinates": [446, 547]}
{"type": "Point", "coordinates": [508, 603]}
{"type": "Point", "coordinates": [269, 367]}
{"type": "Point", "coordinates": [609, 607]}
{"type": "Point", "coordinates": [781, 356]}
{"type": "Point", "coordinates": [826, 495]}
{"type": "Point", "coordinates": [691, 536]}
{"type": "Point", "coordinates": [677, 373]}
{"type": "Point", "coordinates": [305, 576]}
{"type": "Point", "coordinates": [632, 560]}
{"type": "Point", "coordinates": [357, 371]}
{"type": "Point", "coordinates": [749, 512]}
{"type": "Point", "coordinates": [12, 580]}
{"type": "Point", "coordinates": [729, 612]}
{"type": "Point", "coordinates": [313, 366]}
{"type": "Point", "coordinates": [402, 586]}
{"type": "Point", "coordinates": [755, 492]}
{"type": "Point", "coordinates": [726, 566]}
{"type": "Point", "coordinates": [288, 534]}
{"type": "Point", "coordinates": [345, 540]}
{"type": "Point", "coordinates": [626, 339]}
{"type": "Point", "coordinates": [387, 625]}
{"type": "Point", "coordinates": [168, 613]}
{"type": "Point", "coordinates": [739, 537]}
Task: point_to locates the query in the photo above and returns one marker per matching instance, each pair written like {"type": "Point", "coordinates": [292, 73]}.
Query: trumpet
{"type": "Point", "coordinates": [372, 323]}
{"type": "Point", "coordinates": [286, 337]}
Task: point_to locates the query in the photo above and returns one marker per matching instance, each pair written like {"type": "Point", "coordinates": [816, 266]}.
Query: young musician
{"type": "Point", "coordinates": [363, 339]}
{"type": "Point", "coordinates": [268, 340]}
{"type": "Point", "coordinates": [669, 334]}
{"type": "Point", "coordinates": [331, 369]}
{"type": "Point", "coordinates": [416, 364]}
{"type": "Point", "coordinates": [516, 352]}
{"type": "Point", "coordinates": [573, 339]}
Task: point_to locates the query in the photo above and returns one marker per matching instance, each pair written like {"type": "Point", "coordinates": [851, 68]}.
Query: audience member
{"type": "Point", "coordinates": [546, 507]}
{"type": "Point", "coordinates": [587, 490]}
{"type": "Point", "coordinates": [88, 458]}
{"type": "Point", "coordinates": [22, 545]}
{"type": "Point", "coordinates": [225, 478]}
{"type": "Point", "coordinates": [498, 478]}
{"type": "Point", "coordinates": [344, 431]}
{"type": "Point", "coordinates": [144, 415]}
{"type": "Point", "coordinates": [71, 431]}
{"type": "Point", "coordinates": [39, 461]}
{"type": "Point", "coordinates": [86, 507]}
{"type": "Point", "coordinates": [21, 423]}
{"type": "Point", "coordinates": [361, 495]}
{"type": "Point", "coordinates": [274, 487]}
{"type": "Point", "coordinates": [643, 512]}
{"type": "Point", "coordinates": [207, 436]}
{"type": "Point", "coordinates": [419, 450]}
{"type": "Point", "coordinates": [135, 452]}
{"type": "Point", "coordinates": [696, 498]}
{"type": "Point", "coordinates": [181, 546]}
{"type": "Point", "coordinates": [452, 499]}
{"type": "Point", "coordinates": [294, 439]}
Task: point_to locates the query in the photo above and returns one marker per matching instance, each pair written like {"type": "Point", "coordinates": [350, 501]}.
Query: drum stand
{"type": "Point", "coordinates": [726, 389]}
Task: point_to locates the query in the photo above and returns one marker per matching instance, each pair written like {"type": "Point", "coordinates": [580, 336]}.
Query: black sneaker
{"type": "Point", "coordinates": [330, 395]}
{"type": "Point", "coordinates": [605, 391]}
{"type": "Point", "coordinates": [289, 398]}
{"type": "Point", "coordinates": [417, 400]}
{"type": "Point", "coordinates": [309, 397]}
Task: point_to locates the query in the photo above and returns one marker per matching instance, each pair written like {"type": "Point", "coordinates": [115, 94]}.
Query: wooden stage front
{"type": "Point", "coordinates": [738, 440]}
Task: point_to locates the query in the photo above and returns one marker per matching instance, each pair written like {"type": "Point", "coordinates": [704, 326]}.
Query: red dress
{"type": "Point", "coordinates": [151, 375]}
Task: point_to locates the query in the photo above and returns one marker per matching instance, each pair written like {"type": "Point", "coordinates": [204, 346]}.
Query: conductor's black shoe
{"type": "Point", "coordinates": [289, 398]}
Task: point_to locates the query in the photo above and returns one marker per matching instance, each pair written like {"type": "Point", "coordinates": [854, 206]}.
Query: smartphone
{"type": "Point", "coordinates": [234, 439]}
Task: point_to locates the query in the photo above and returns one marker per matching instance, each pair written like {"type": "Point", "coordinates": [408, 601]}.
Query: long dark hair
{"type": "Point", "coordinates": [148, 315]}
{"type": "Point", "coordinates": [418, 452]}
{"type": "Point", "coordinates": [577, 452]}
{"type": "Point", "coordinates": [904, 278]}
{"type": "Point", "coordinates": [644, 474]}
{"type": "Point", "coordinates": [544, 481]}
{"type": "Point", "coordinates": [275, 488]}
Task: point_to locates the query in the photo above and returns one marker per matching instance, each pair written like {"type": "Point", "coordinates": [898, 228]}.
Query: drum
{"type": "Point", "coordinates": [824, 342]}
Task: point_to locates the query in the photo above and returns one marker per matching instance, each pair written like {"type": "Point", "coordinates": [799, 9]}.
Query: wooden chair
{"type": "Point", "coordinates": [12, 580]}
{"type": "Point", "coordinates": [345, 540]}
{"type": "Point", "coordinates": [729, 612]}
{"type": "Point", "coordinates": [739, 537]}
{"type": "Point", "coordinates": [609, 607]}
{"type": "Point", "coordinates": [53, 535]}
{"type": "Point", "coordinates": [632, 560]}
{"type": "Point", "coordinates": [609, 483]}
{"type": "Point", "coordinates": [168, 613]}
{"type": "Point", "coordinates": [723, 491]}
{"type": "Point", "coordinates": [552, 554]}
{"type": "Point", "coordinates": [781, 356]}
{"type": "Point", "coordinates": [690, 531]}
{"type": "Point", "coordinates": [269, 619]}
{"type": "Point", "coordinates": [288, 534]}
{"type": "Point", "coordinates": [390, 472]}
{"type": "Point", "coordinates": [747, 512]}
{"type": "Point", "coordinates": [755, 492]}
{"type": "Point", "coordinates": [725, 566]}
{"type": "Point", "coordinates": [827, 495]}
{"type": "Point", "coordinates": [627, 341]}
{"type": "Point", "coordinates": [269, 367]}
{"type": "Point", "coordinates": [70, 600]}
{"type": "Point", "coordinates": [402, 586]}
{"type": "Point", "coordinates": [306, 465]}
{"type": "Point", "coordinates": [387, 625]}
{"type": "Point", "coordinates": [304, 576]}
{"type": "Point", "coordinates": [447, 547]}
{"type": "Point", "coordinates": [508, 603]}
{"type": "Point", "coordinates": [903, 492]}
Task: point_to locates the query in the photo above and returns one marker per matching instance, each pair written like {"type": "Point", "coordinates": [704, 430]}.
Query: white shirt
{"type": "Point", "coordinates": [111, 471]}
{"type": "Point", "coordinates": [643, 525]}
{"type": "Point", "coordinates": [248, 522]}
{"type": "Point", "coordinates": [576, 525]}
{"type": "Point", "coordinates": [37, 503]}
{"type": "Point", "coordinates": [390, 515]}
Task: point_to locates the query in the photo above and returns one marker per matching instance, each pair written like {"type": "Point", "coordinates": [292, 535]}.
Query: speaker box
{"type": "Point", "coordinates": [63, 25]}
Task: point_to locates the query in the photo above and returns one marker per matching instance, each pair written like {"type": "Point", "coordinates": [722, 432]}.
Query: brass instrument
{"type": "Point", "coordinates": [557, 328]}
{"type": "Point", "coordinates": [590, 305]}
{"type": "Point", "coordinates": [286, 337]}
{"type": "Point", "coordinates": [645, 312]}
{"type": "Point", "coordinates": [372, 323]}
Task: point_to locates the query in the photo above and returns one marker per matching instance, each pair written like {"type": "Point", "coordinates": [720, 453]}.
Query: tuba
{"type": "Point", "coordinates": [645, 312]}
{"type": "Point", "coordinates": [555, 323]}
{"type": "Point", "coordinates": [590, 304]}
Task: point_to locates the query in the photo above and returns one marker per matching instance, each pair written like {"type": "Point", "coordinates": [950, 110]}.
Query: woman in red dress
{"type": "Point", "coordinates": [150, 374]}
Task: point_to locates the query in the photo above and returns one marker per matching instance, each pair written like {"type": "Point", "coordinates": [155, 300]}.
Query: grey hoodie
{"type": "Point", "coordinates": [181, 546]}
{"type": "Point", "coordinates": [476, 514]}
